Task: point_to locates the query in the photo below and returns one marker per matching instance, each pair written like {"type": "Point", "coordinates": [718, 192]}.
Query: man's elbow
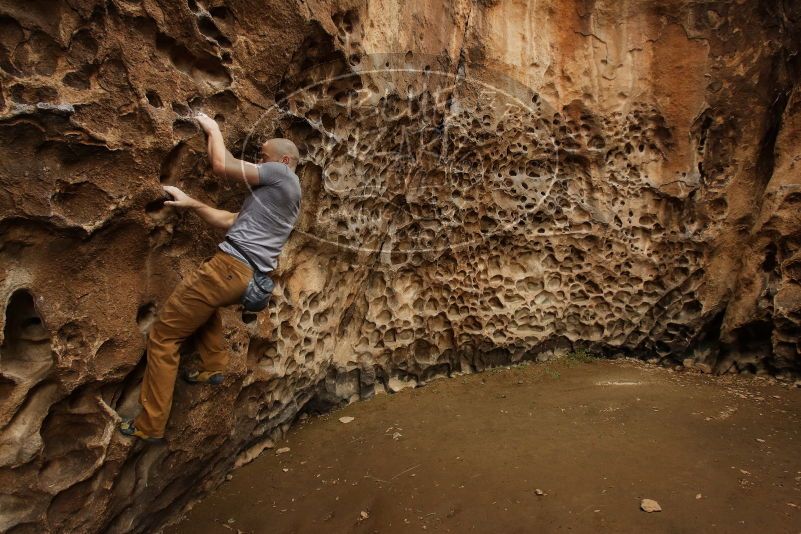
{"type": "Point", "coordinates": [218, 167]}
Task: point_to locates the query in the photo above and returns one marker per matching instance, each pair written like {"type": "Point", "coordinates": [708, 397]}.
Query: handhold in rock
{"type": "Point", "coordinates": [282, 450]}
{"type": "Point", "coordinates": [346, 419]}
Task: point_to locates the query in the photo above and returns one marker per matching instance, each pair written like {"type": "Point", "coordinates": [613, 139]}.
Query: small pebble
{"type": "Point", "coordinates": [650, 505]}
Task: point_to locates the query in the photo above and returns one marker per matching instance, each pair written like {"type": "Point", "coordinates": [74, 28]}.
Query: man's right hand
{"type": "Point", "coordinates": [179, 198]}
{"type": "Point", "coordinates": [207, 123]}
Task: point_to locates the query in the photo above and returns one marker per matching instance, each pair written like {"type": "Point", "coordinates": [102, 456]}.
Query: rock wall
{"type": "Point", "coordinates": [485, 182]}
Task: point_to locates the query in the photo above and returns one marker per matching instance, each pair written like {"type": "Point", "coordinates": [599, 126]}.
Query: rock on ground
{"type": "Point", "coordinates": [650, 505]}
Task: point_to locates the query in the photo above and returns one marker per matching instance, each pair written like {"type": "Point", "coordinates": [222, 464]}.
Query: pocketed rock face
{"type": "Point", "coordinates": [484, 183]}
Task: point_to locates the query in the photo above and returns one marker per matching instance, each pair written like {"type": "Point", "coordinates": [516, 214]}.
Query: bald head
{"type": "Point", "coordinates": [280, 150]}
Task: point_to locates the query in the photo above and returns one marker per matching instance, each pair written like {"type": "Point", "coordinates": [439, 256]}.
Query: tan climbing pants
{"type": "Point", "coordinates": [193, 305]}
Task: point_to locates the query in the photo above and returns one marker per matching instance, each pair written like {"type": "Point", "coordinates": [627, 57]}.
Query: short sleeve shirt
{"type": "Point", "coordinates": [267, 217]}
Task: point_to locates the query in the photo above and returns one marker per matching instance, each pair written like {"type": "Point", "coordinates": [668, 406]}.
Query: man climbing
{"type": "Point", "coordinates": [255, 237]}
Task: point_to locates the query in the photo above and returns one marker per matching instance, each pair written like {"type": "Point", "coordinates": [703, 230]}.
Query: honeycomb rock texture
{"type": "Point", "coordinates": [484, 182]}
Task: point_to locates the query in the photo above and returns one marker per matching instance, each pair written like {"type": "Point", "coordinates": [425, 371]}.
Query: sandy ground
{"type": "Point", "coordinates": [719, 454]}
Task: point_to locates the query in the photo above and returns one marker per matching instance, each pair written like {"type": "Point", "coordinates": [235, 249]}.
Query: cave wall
{"type": "Point", "coordinates": [485, 182]}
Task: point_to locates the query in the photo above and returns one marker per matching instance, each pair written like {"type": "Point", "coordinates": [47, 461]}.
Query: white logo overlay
{"type": "Point", "coordinates": [413, 159]}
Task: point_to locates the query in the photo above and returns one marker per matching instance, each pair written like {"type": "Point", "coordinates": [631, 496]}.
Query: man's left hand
{"type": "Point", "coordinates": [180, 199]}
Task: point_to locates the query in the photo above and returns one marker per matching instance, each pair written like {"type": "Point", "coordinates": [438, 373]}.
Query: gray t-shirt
{"type": "Point", "coordinates": [267, 217]}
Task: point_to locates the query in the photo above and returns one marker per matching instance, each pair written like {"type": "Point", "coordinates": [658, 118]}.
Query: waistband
{"type": "Point", "coordinates": [230, 258]}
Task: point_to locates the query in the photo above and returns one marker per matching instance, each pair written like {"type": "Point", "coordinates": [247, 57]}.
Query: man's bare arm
{"type": "Point", "coordinates": [217, 218]}
{"type": "Point", "coordinates": [223, 163]}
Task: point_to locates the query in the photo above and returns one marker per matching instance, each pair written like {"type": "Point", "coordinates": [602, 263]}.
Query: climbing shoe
{"type": "Point", "coordinates": [127, 428]}
{"type": "Point", "coordinates": [214, 378]}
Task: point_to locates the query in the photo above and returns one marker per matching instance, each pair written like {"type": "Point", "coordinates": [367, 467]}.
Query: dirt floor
{"type": "Point", "coordinates": [471, 454]}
